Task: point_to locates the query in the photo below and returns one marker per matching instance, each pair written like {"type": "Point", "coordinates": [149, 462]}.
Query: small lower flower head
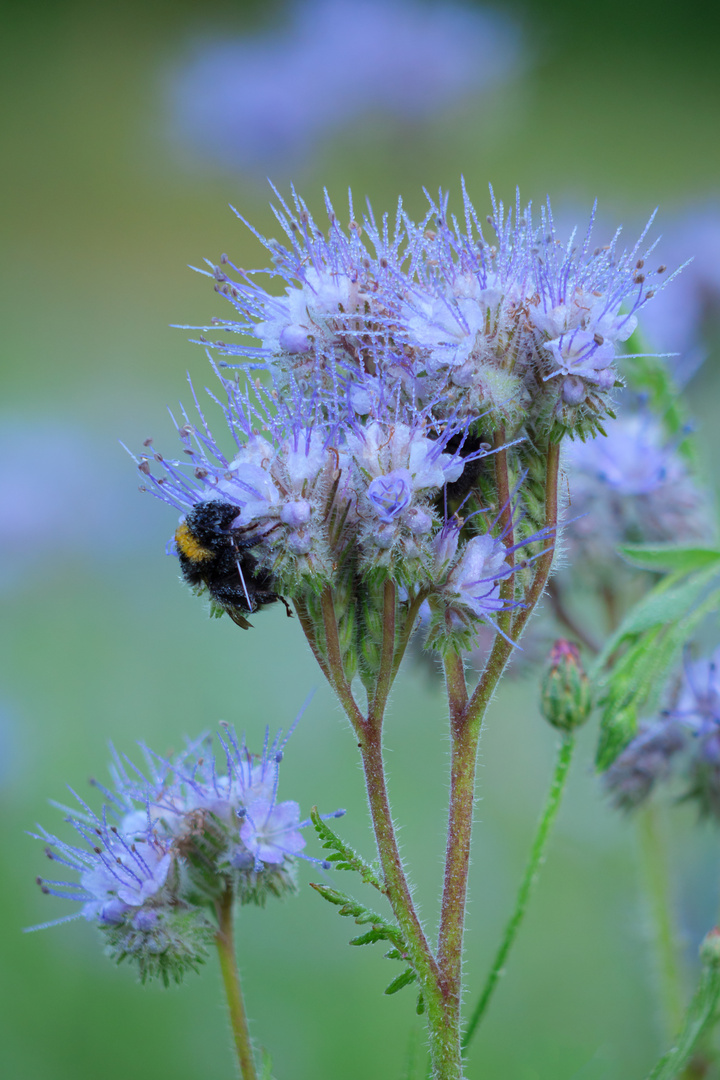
{"type": "Point", "coordinates": [170, 841]}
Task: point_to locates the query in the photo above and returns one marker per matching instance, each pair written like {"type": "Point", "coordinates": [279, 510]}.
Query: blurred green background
{"type": "Point", "coordinates": [100, 642]}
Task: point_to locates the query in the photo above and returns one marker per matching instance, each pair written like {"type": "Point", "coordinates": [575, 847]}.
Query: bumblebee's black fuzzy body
{"type": "Point", "coordinates": [219, 558]}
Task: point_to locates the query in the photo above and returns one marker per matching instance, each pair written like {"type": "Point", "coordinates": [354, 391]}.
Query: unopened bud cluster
{"type": "Point", "coordinates": [168, 845]}
{"type": "Point", "coordinates": [566, 695]}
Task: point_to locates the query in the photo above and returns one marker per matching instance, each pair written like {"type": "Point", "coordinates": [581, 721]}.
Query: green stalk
{"type": "Point", "coordinates": [531, 872]}
{"type": "Point", "coordinates": [233, 991]}
{"type": "Point", "coordinates": [700, 1017]}
{"type": "Point", "coordinates": [657, 884]}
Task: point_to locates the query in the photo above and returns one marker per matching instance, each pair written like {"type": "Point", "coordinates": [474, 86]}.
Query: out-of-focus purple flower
{"type": "Point", "coordinates": [631, 486]}
{"type": "Point", "coordinates": [56, 497]}
{"type": "Point", "coordinates": [676, 325]}
{"type": "Point", "coordinates": [684, 741]}
{"type": "Point", "coordinates": [266, 100]}
{"type": "Point", "coordinates": [646, 761]}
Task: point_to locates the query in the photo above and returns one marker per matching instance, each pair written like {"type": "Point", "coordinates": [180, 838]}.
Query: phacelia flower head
{"type": "Point", "coordinates": [394, 356]}
{"type": "Point", "coordinates": [631, 486]}
{"type": "Point", "coordinates": [170, 841]}
{"type": "Point", "coordinates": [683, 743]}
{"type": "Point", "coordinates": [507, 317]}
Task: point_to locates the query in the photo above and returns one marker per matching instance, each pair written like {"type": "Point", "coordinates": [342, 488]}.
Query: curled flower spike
{"type": "Point", "coordinates": [170, 841]}
{"type": "Point", "coordinates": [631, 486]}
{"type": "Point", "coordinates": [514, 323]}
{"type": "Point", "coordinates": [683, 743]}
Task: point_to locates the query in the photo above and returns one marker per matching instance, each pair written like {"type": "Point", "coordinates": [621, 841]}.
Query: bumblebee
{"type": "Point", "coordinates": [218, 557]}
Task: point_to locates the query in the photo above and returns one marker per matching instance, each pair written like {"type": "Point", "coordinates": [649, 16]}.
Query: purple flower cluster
{"type": "Point", "coordinates": [267, 100]}
{"type": "Point", "coordinates": [392, 351]}
{"type": "Point", "coordinates": [683, 742]}
{"type": "Point", "coordinates": [170, 840]}
{"type": "Point", "coordinates": [631, 486]}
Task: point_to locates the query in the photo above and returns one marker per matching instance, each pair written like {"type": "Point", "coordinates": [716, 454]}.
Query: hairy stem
{"type": "Point", "coordinates": [231, 980]}
{"type": "Point", "coordinates": [564, 617]}
{"type": "Point", "coordinates": [336, 671]}
{"type": "Point", "coordinates": [385, 674]}
{"type": "Point", "coordinates": [395, 881]}
{"type": "Point", "coordinates": [408, 627]}
{"type": "Point", "coordinates": [530, 876]}
{"type": "Point", "coordinates": [460, 820]}
{"type": "Point", "coordinates": [502, 649]}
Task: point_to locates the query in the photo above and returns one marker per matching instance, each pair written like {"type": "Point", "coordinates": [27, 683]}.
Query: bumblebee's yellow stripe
{"type": "Point", "coordinates": [188, 545]}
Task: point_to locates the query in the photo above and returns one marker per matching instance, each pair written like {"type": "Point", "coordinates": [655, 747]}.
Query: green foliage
{"type": "Point", "coordinates": [701, 1015]}
{"type": "Point", "coordinates": [266, 1066]}
{"type": "Point", "coordinates": [344, 857]}
{"type": "Point", "coordinates": [632, 669]}
{"type": "Point", "coordinates": [403, 979]}
{"type": "Point", "coordinates": [380, 930]}
{"type": "Point", "coordinates": [670, 558]}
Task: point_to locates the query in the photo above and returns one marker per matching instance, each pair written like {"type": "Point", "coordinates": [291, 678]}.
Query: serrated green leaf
{"type": "Point", "coordinates": [403, 979]}
{"type": "Point", "coordinates": [349, 907]}
{"type": "Point", "coordinates": [344, 857]}
{"type": "Point", "coordinates": [670, 557]}
{"type": "Point", "coordinates": [378, 933]}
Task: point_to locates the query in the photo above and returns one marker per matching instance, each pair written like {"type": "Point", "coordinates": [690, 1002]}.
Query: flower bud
{"type": "Point", "coordinates": [710, 948]}
{"type": "Point", "coordinates": [566, 700]}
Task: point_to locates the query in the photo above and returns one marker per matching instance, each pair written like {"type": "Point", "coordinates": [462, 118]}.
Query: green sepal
{"type": "Point", "coordinates": [178, 943]}
{"type": "Point", "coordinates": [403, 979]}
{"type": "Point", "coordinates": [344, 857]}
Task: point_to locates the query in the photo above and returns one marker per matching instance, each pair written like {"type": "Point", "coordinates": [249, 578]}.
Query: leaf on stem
{"type": "Point", "coordinates": [344, 857]}
{"type": "Point", "coordinates": [632, 669]}
{"type": "Point", "coordinates": [380, 930]}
